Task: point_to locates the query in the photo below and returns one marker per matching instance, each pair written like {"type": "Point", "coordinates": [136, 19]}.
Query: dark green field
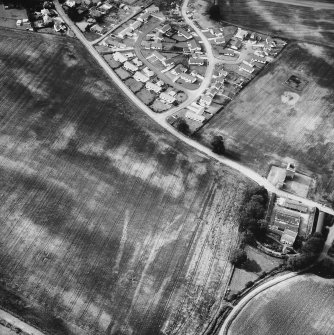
{"type": "Point", "coordinates": [289, 21]}
{"type": "Point", "coordinates": [108, 225]}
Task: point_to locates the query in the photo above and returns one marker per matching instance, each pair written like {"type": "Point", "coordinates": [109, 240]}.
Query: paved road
{"type": "Point", "coordinates": [312, 4]}
{"type": "Point", "coordinates": [161, 119]}
{"type": "Point", "coordinates": [244, 301]}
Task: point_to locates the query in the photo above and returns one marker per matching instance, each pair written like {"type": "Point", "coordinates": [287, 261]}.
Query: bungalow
{"type": "Point", "coordinates": [153, 87]}
{"type": "Point", "coordinates": [165, 28]}
{"type": "Point", "coordinates": [193, 46]}
{"type": "Point", "coordinates": [148, 72]}
{"type": "Point", "coordinates": [195, 61]}
{"type": "Point", "coordinates": [227, 52]}
{"type": "Point", "coordinates": [205, 100]}
{"type": "Point", "coordinates": [124, 32]}
{"type": "Point", "coordinates": [110, 42]}
{"type": "Point", "coordinates": [193, 116]}
{"type": "Point", "coordinates": [130, 66]}
{"type": "Point", "coordinates": [236, 44]}
{"type": "Point", "coordinates": [146, 44]}
{"type": "Point", "coordinates": [216, 31]}
{"type": "Point", "coordinates": [178, 69]}
{"type": "Point", "coordinates": [212, 92]}
{"type": "Point", "coordinates": [194, 107]}
{"type": "Point", "coordinates": [168, 62]}
{"type": "Point", "coordinates": [218, 85]}
{"type": "Point", "coordinates": [143, 17]}
{"type": "Point", "coordinates": [184, 33]}
{"type": "Point", "coordinates": [139, 76]}
{"type": "Point", "coordinates": [156, 45]}
{"type": "Point", "coordinates": [241, 34]}
{"type": "Point", "coordinates": [220, 79]}
{"type": "Point", "coordinates": [157, 55]}
{"type": "Point", "coordinates": [135, 25]}
{"type": "Point", "coordinates": [152, 9]}
{"type": "Point", "coordinates": [119, 57]}
{"type": "Point", "coordinates": [187, 78]}
{"type": "Point", "coordinates": [258, 59]}
{"type": "Point", "coordinates": [220, 40]}
{"type": "Point", "coordinates": [166, 97]}
{"type": "Point", "coordinates": [158, 36]}
{"type": "Point", "coordinates": [247, 68]}
{"type": "Point", "coordinates": [137, 62]}
{"type": "Point", "coordinates": [105, 7]}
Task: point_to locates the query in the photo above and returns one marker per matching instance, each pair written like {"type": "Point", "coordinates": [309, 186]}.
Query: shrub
{"type": "Point", "coordinates": [238, 257]}
{"type": "Point", "coordinates": [218, 146]}
{"type": "Point", "coordinates": [249, 284]}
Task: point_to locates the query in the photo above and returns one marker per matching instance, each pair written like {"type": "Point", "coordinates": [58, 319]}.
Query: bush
{"type": "Point", "coordinates": [301, 261]}
{"type": "Point", "coordinates": [263, 274]}
{"type": "Point", "coordinates": [214, 12]}
{"type": "Point", "coordinates": [218, 146]}
{"type": "Point", "coordinates": [182, 126]}
{"type": "Point", "coordinates": [238, 257]}
{"type": "Point", "coordinates": [249, 284]}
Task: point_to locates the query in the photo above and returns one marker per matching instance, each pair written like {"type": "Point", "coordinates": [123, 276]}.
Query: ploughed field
{"type": "Point", "coordinates": [301, 305]}
{"type": "Point", "coordinates": [311, 24]}
{"type": "Point", "coordinates": [107, 223]}
{"type": "Point", "coordinates": [270, 122]}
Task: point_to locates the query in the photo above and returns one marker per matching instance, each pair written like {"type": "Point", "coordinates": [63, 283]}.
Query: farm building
{"type": "Point", "coordinates": [236, 44]}
{"type": "Point", "coordinates": [153, 87]}
{"type": "Point", "coordinates": [195, 117]}
{"type": "Point", "coordinates": [247, 68]}
{"type": "Point", "coordinates": [195, 61]}
{"type": "Point", "coordinates": [193, 46]}
{"type": "Point", "coordinates": [130, 66]}
{"type": "Point", "coordinates": [119, 57]}
{"type": "Point", "coordinates": [165, 28]}
{"type": "Point", "coordinates": [205, 100]}
{"type": "Point", "coordinates": [187, 78]}
{"type": "Point", "coordinates": [148, 72]}
{"type": "Point", "coordinates": [184, 33]}
{"type": "Point", "coordinates": [166, 97]}
{"type": "Point", "coordinates": [139, 76]}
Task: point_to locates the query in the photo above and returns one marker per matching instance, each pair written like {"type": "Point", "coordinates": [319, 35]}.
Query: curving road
{"type": "Point", "coordinates": [161, 118]}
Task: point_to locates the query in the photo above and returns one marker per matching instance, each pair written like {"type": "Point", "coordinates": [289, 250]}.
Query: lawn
{"type": "Point", "coordinates": [298, 306]}
{"type": "Point", "coordinates": [289, 21]}
{"type": "Point", "coordinates": [147, 97]}
{"type": "Point", "coordinates": [134, 85]}
{"type": "Point", "coordinates": [108, 225]}
{"type": "Point", "coordinates": [266, 127]}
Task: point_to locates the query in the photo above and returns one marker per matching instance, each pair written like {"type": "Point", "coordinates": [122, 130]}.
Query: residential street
{"type": "Point", "coordinates": [161, 118]}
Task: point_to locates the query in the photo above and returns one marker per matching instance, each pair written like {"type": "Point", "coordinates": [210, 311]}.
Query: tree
{"type": "Point", "coordinates": [301, 261]}
{"type": "Point", "coordinates": [238, 257]}
{"type": "Point", "coordinates": [182, 126]}
{"type": "Point", "coordinates": [214, 12]}
{"type": "Point", "coordinates": [314, 244]}
{"type": "Point", "coordinates": [218, 145]}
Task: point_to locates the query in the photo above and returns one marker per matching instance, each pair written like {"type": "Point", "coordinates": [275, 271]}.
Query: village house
{"type": "Point", "coordinates": [158, 36]}
{"type": "Point", "coordinates": [241, 34]}
{"type": "Point", "coordinates": [245, 66]}
{"type": "Point", "coordinates": [139, 76]}
{"type": "Point", "coordinates": [195, 117]}
{"type": "Point", "coordinates": [227, 94]}
{"type": "Point", "coordinates": [166, 97]}
{"type": "Point", "coordinates": [205, 100]}
{"type": "Point", "coordinates": [195, 61]}
{"type": "Point", "coordinates": [193, 46]}
{"type": "Point", "coordinates": [105, 7]}
{"type": "Point", "coordinates": [216, 31]}
{"type": "Point", "coordinates": [165, 28]}
{"type": "Point", "coordinates": [236, 44]}
{"type": "Point", "coordinates": [212, 91]}
{"type": "Point", "coordinates": [168, 62]}
{"type": "Point", "coordinates": [110, 42]}
{"type": "Point", "coordinates": [148, 72]}
{"type": "Point", "coordinates": [187, 77]}
{"type": "Point", "coordinates": [130, 66]}
{"type": "Point", "coordinates": [157, 55]}
{"type": "Point", "coordinates": [153, 87]}
{"type": "Point", "coordinates": [146, 44]}
{"type": "Point", "coordinates": [125, 32]}
{"type": "Point", "coordinates": [220, 40]}
{"type": "Point", "coordinates": [135, 25]}
{"type": "Point", "coordinates": [184, 33]}
{"type": "Point", "coordinates": [119, 57]}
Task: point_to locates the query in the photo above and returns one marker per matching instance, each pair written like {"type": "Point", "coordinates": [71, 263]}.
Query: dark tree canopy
{"type": "Point", "coordinates": [218, 145]}
{"type": "Point", "coordinates": [182, 126]}
{"type": "Point", "coordinates": [238, 257]}
{"type": "Point", "coordinates": [214, 12]}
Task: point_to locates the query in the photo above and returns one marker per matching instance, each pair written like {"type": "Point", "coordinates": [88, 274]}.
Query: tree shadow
{"type": "Point", "coordinates": [251, 266]}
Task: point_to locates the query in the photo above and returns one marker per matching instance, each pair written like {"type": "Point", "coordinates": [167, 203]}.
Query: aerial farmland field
{"type": "Point", "coordinates": [270, 122]}
{"type": "Point", "coordinates": [108, 224]}
{"type": "Point", "coordinates": [301, 305]}
{"type": "Point", "coordinates": [291, 21]}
